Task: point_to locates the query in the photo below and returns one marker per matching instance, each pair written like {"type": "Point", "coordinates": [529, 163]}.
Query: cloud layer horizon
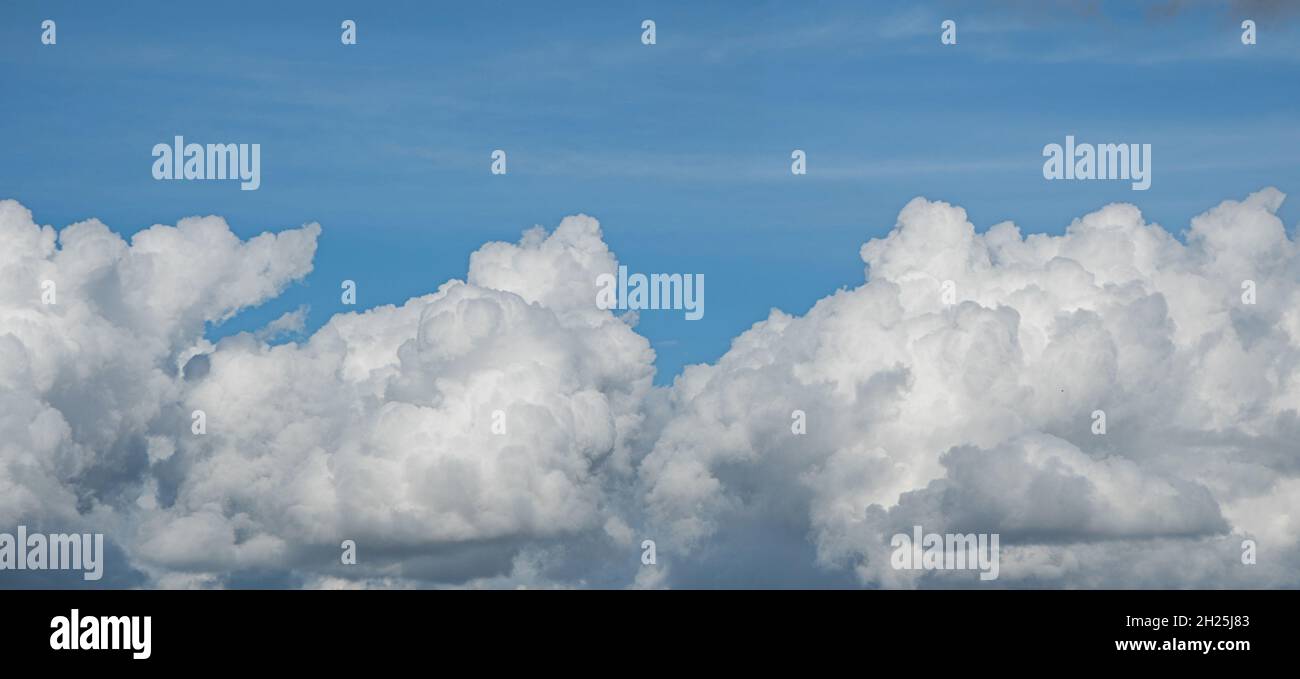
{"type": "Point", "coordinates": [973, 416]}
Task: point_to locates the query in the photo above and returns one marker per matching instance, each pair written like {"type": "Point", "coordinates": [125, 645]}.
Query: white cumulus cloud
{"type": "Point", "coordinates": [504, 431]}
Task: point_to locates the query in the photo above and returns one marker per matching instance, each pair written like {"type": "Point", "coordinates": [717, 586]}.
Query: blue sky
{"type": "Point", "coordinates": [681, 149]}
